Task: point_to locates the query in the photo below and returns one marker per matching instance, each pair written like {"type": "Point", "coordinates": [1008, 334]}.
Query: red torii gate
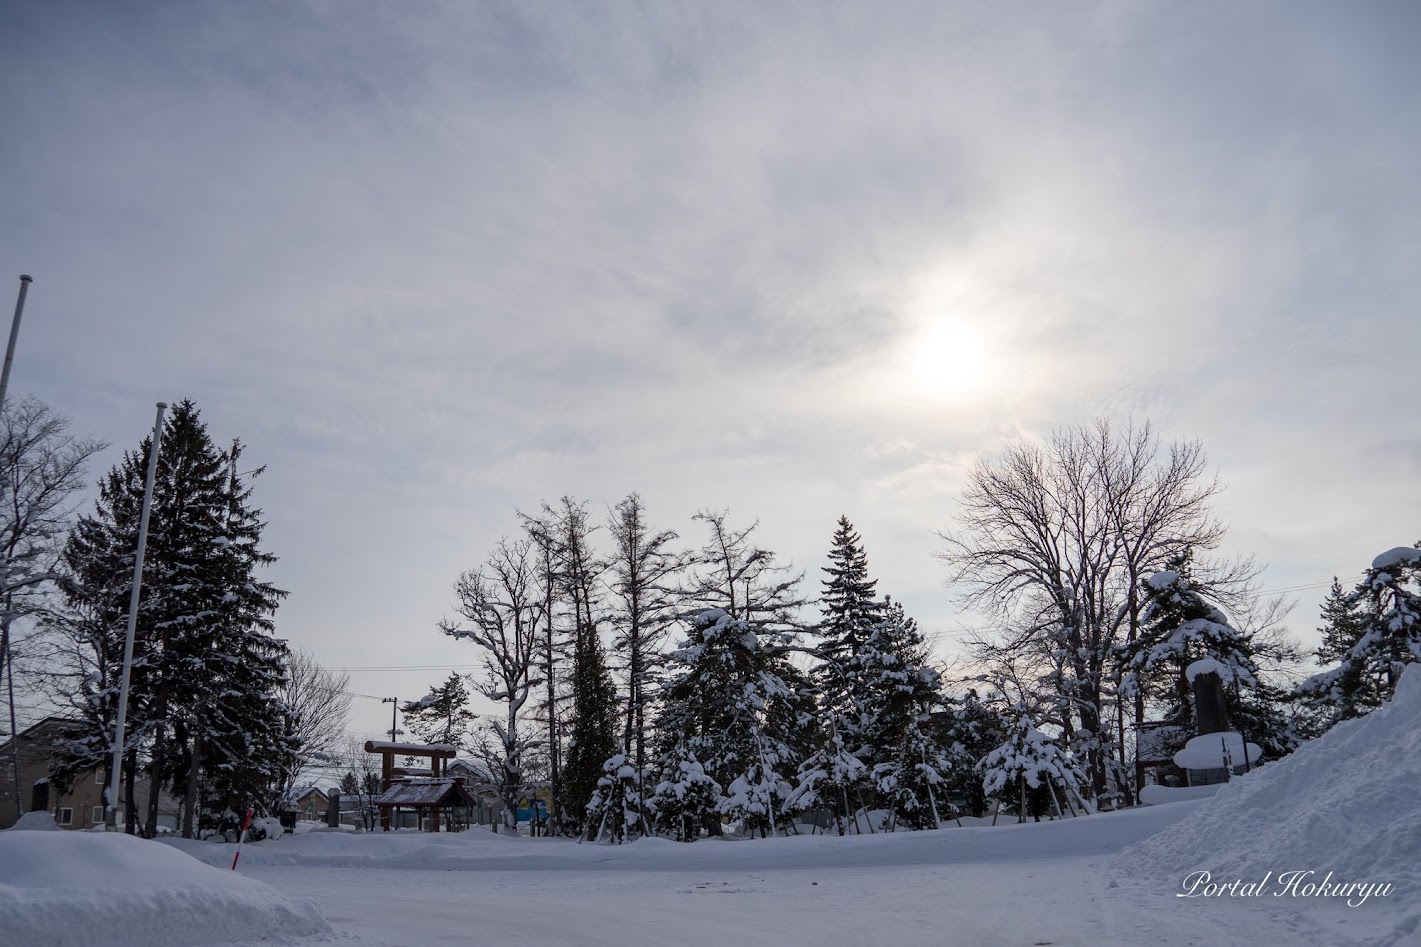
{"type": "Point", "coordinates": [436, 753]}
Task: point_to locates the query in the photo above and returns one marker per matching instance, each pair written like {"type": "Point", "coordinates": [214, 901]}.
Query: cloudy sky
{"type": "Point", "coordinates": [438, 262]}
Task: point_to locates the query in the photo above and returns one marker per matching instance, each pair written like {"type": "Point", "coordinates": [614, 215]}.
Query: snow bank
{"type": "Point", "coordinates": [80, 888]}
{"type": "Point", "coordinates": [480, 850]}
{"type": "Point", "coordinates": [35, 822]}
{"type": "Point", "coordinates": [1156, 795]}
{"type": "Point", "coordinates": [1346, 803]}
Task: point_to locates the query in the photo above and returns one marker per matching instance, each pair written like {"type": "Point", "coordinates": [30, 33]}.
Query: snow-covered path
{"type": "Point", "coordinates": [1012, 885]}
{"type": "Point", "coordinates": [1058, 901]}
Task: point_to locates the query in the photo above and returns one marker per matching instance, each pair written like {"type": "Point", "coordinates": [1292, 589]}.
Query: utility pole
{"type": "Point", "coordinates": [394, 705]}
{"type": "Point", "coordinates": [111, 802]}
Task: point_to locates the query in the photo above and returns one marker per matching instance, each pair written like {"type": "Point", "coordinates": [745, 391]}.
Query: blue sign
{"type": "Point", "coordinates": [527, 815]}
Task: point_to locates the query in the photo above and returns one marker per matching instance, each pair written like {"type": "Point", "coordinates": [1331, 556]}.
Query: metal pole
{"type": "Point", "coordinates": [111, 802]}
{"type": "Point", "coordinates": [14, 337]}
{"type": "Point", "coordinates": [5, 658]}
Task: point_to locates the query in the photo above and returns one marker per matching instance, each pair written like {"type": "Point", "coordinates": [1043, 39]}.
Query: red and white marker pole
{"type": "Point", "coordinates": [246, 823]}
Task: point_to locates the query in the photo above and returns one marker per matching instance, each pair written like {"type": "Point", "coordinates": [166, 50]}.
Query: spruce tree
{"type": "Point", "coordinates": [830, 778]}
{"type": "Point", "coordinates": [253, 733]}
{"type": "Point", "coordinates": [685, 798]}
{"type": "Point", "coordinates": [851, 613]}
{"type": "Point", "coordinates": [206, 673]}
{"type": "Point", "coordinates": [1343, 624]}
{"type": "Point", "coordinates": [968, 730]}
{"type": "Point", "coordinates": [594, 735]}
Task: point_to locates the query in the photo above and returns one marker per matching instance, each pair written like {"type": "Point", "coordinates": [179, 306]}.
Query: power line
{"type": "Point", "coordinates": [411, 667]}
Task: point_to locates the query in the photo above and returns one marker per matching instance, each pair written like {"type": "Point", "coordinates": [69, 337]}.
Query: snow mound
{"type": "Point", "coordinates": [81, 888]}
{"type": "Point", "coordinates": [1345, 803]}
{"type": "Point", "coordinates": [1214, 750]}
{"type": "Point", "coordinates": [1208, 666]}
{"type": "Point", "coordinates": [35, 822]}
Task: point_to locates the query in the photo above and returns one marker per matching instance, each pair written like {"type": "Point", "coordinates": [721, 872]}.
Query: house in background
{"type": "Point", "coordinates": [82, 807]}
{"type": "Point", "coordinates": [479, 781]}
{"type": "Point", "coordinates": [307, 803]}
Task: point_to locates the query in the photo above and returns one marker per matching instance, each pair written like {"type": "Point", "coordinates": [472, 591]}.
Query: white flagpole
{"type": "Point", "coordinates": [110, 813]}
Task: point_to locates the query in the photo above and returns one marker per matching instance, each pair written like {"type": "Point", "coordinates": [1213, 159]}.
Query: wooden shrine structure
{"type": "Point", "coordinates": [426, 790]}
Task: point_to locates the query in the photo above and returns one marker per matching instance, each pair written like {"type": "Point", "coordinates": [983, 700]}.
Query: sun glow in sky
{"type": "Point", "coordinates": [947, 356]}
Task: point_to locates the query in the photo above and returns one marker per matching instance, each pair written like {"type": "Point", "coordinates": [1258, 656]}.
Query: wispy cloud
{"type": "Point", "coordinates": [437, 263]}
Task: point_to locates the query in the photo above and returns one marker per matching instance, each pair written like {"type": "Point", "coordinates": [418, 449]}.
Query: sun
{"type": "Point", "coordinates": [944, 353]}
{"type": "Point", "coordinates": [947, 359]}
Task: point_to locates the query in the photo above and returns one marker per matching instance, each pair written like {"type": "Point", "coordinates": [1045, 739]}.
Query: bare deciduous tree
{"type": "Point", "coordinates": [743, 579]}
{"type": "Point", "coordinates": [644, 572]}
{"type": "Point", "coordinates": [318, 706]}
{"type": "Point", "coordinates": [360, 783]}
{"type": "Point", "coordinates": [42, 472]}
{"type": "Point", "coordinates": [500, 610]}
{"type": "Point", "coordinates": [1052, 542]}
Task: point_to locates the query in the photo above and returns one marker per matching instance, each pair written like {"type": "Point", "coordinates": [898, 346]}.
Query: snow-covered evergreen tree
{"type": "Point", "coordinates": [968, 729]}
{"type": "Point", "coordinates": [685, 798]}
{"type": "Point", "coordinates": [851, 612]}
{"type": "Point", "coordinates": [205, 690]}
{"type": "Point", "coordinates": [727, 684]}
{"type": "Point", "coordinates": [1384, 615]}
{"type": "Point", "coordinates": [442, 715]}
{"type": "Point", "coordinates": [615, 810]}
{"type": "Point", "coordinates": [831, 778]}
{"type": "Point", "coordinates": [1343, 624]}
{"type": "Point", "coordinates": [1027, 760]}
{"type": "Point", "coordinates": [901, 691]}
{"type": "Point", "coordinates": [1180, 626]}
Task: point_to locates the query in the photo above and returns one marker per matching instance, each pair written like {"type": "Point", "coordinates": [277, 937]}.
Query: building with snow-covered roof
{"type": "Point", "coordinates": [306, 803]}
{"type": "Point", "coordinates": [436, 801]}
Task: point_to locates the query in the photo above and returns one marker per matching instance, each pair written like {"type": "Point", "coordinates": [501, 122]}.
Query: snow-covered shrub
{"type": "Point", "coordinates": [1029, 759]}
{"type": "Point", "coordinates": [685, 799]}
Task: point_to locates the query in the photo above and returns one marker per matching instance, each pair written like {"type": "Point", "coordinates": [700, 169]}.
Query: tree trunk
{"type": "Point", "coordinates": [155, 775]}
{"type": "Point", "coordinates": [554, 813]}
{"type": "Point", "coordinates": [190, 794]}
{"type": "Point", "coordinates": [130, 806]}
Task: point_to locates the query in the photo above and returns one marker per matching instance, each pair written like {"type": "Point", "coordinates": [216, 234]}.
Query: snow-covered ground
{"type": "Point", "coordinates": [1050, 883]}
{"type": "Point", "coordinates": [1346, 804]}
{"type": "Point", "coordinates": [72, 888]}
